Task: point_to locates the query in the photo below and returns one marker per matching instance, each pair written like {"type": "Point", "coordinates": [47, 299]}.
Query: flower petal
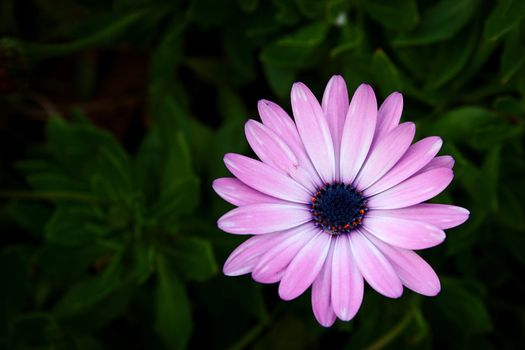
{"type": "Point", "coordinates": [321, 293]}
{"type": "Point", "coordinates": [416, 157]}
{"type": "Point", "coordinates": [442, 216]}
{"type": "Point", "coordinates": [347, 281]}
{"type": "Point", "coordinates": [403, 233]}
{"type": "Point", "coordinates": [244, 258]}
{"type": "Point", "coordinates": [358, 132]}
{"type": "Point", "coordinates": [375, 268]}
{"type": "Point", "coordinates": [274, 117]}
{"type": "Point", "coordinates": [413, 271]}
{"type": "Point", "coordinates": [438, 162]}
{"type": "Point", "coordinates": [272, 150]}
{"type": "Point", "coordinates": [237, 193]}
{"type": "Point", "coordinates": [335, 107]}
{"type": "Point", "coordinates": [414, 190]}
{"type": "Point", "coordinates": [255, 219]}
{"type": "Point", "coordinates": [389, 115]}
{"type": "Point", "coordinates": [265, 179]}
{"type": "Point", "coordinates": [313, 130]}
{"type": "Point", "coordinates": [385, 154]}
{"type": "Point", "coordinates": [305, 267]}
{"type": "Point", "coordinates": [273, 263]}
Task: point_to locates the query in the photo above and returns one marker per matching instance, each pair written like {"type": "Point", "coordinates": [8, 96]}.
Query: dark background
{"type": "Point", "coordinates": [114, 119]}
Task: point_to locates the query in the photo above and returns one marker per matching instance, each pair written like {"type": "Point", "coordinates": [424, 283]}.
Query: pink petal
{"type": "Point", "coordinates": [389, 115]}
{"type": "Point", "coordinates": [244, 258]}
{"type": "Point", "coordinates": [255, 219]}
{"type": "Point", "coordinates": [335, 107]}
{"type": "Point", "coordinates": [314, 131]}
{"type": "Point", "coordinates": [375, 268]}
{"type": "Point", "coordinates": [442, 216]}
{"type": "Point", "coordinates": [385, 154]}
{"type": "Point", "coordinates": [438, 162]}
{"type": "Point", "coordinates": [414, 190]}
{"type": "Point", "coordinates": [305, 267]}
{"type": "Point", "coordinates": [265, 179]}
{"type": "Point", "coordinates": [347, 281]}
{"type": "Point", "coordinates": [273, 263]}
{"type": "Point", "coordinates": [358, 132]}
{"type": "Point", "coordinates": [321, 293]}
{"type": "Point", "coordinates": [237, 193]}
{"type": "Point", "coordinates": [403, 233]}
{"type": "Point", "coordinates": [416, 157]}
{"type": "Point", "coordinates": [274, 117]}
{"type": "Point", "coordinates": [272, 150]}
{"type": "Point", "coordinates": [413, 271]}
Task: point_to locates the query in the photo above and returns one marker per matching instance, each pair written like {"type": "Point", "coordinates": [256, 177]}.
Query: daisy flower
{"type": "Point", "coordinates": [336, 199]}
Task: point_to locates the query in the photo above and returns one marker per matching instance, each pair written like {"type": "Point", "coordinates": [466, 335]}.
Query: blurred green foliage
{"type": "Point", "coordinates": [115, 117]}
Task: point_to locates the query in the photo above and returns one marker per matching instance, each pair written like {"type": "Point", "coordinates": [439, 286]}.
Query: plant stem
{"type": "Point", "coordinates": [392, 334]}
{"type": "Point", "coordinates": [50, 195]}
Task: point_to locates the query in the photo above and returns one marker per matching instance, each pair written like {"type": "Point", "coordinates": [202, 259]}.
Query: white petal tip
{"type": "Point", "coordinates": [463, 211]}
{"type": "Point", "coordinates": [326, 323]}
{"type": "Point", "coordinates": [298, 91]}
{"type": "Point", "coordinates": [345, 315]}
{"type": "Point", "coordinates": [228, 271]}
{"type": "Point", "coordinates": [287, 294]}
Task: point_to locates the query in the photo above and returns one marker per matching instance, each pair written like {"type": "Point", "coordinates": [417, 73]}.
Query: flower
{"type": "Point", "coordinates": [337, 199]}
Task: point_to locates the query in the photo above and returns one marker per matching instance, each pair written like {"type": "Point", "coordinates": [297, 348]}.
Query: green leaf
{"type": "Point", "coordinates": [311, 8]}
{"type": "Point", "coordinates": [62, 265]}
{"type": "Point", "coordinates": [399, 15]}
{"type": "Point", "coordinates": [287, 11]}
{"type": "Point", "coordinates": [351, 37]}
{"type": "Point", "coordinates": [386, 74]}
{"type": "Point", "coordinates": [490, 178]}
{"type": "Point", "coordinates": [100, 315]}
{"type": "Point", "coordinates": [181, 198]}
{"type": "Point", "coordinates": [248, 6]}
{"type": "Point", "coordinates": [90, 157]}
{"type": "Point", "coordinates": [308, 36]}
{"type": "Point", "coordinates": [448, 59]}
{"type": "Point", "coordinates": [177, 163]}
{"type": "Point", "coordinates": [193, 258]}
{"type": "Point", "coordinates": [505, 16]}
{"type": "Point", "coordinates": [461, 123]}
{"type": "Point", "coordinates": [108, 33]}
{"type": "Point", "coordinates": [39, 331]}
{"type": "Point", "coordinates": [513, 55]}
{"type": "Point", "coordinates": [210, 13]}
{"type": "Point", "coordinates": [440, 22]}
{"type": "Point", "coordinates": [280, 79]}
{"type": "Point", "coordinates": [15, 291]}
{"type": "Point", "coordinates": [144, 262]}
{"type": "Point", "coordinates": [239, 50]}
{"type": "Point", "coordinates": [508, 105]}
{"type": "Point", "coordinates": [30, 216]}
{"type": "Point", "coordinates": [83, 295]}
{"type": "Point", "coordinates": [495, 134]}
{"type": "Point", "coordinates": [167, 55]}
{"type": "Point", "coordinates": [296, 50]}
{"type": "Point", "coordinates": [74, 225]}
{"type": "Point", "coordinates": [173, 315]}
{"type": "Point", "coordinates": [513, 213]}
{"type": "Point", "coordinates": [172, 124]}
{"type": "Point", "coordinates": [462, 308]}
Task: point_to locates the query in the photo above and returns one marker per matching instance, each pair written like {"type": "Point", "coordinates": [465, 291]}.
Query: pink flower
{"type": "Point", "coordinates": [337, 199]}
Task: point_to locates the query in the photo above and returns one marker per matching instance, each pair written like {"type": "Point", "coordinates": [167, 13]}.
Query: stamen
{"type": "Point", "coordinates": [338, 208]}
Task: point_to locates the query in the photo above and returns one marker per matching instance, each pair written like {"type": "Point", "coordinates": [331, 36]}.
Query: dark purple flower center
{"type": "Point", "coordinates": [338, 208]}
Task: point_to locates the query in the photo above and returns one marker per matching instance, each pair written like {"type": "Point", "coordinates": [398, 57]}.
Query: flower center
{"type": "Point", "coordinates": [338, 208]}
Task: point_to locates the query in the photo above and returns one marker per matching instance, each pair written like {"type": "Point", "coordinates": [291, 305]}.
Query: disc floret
{"type": "Point", "coordinates": [338, 208]}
